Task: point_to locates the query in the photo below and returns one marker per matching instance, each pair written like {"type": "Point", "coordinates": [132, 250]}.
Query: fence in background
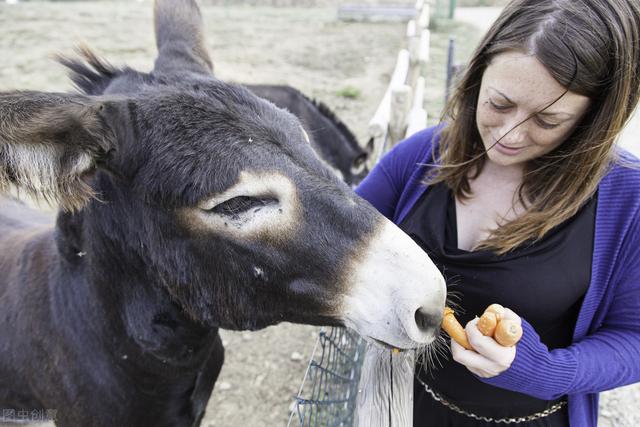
{"type": "Point", "coordinates": [328, 393]}
{"type": "Point", "coordinates": [401, 110]}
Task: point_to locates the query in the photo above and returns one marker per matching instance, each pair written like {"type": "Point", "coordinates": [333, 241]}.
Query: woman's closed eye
{"type": "Point", "coordinates": [502, 108]}
{"type": "Point", "coordinates": [545, 124]}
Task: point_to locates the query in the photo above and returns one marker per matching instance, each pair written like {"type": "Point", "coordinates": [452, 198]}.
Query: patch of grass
{"type": "Point", "coordinates": [349, 92]}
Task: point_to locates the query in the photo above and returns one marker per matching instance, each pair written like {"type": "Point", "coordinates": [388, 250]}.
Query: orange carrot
{"type": "Point", "coordinates": [455, 330]}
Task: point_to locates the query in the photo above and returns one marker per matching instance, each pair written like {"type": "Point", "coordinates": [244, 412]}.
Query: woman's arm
{"type": "Point", "coordinates": [384, 185]}
{"type": "Point", "coordinates": [605, 359]}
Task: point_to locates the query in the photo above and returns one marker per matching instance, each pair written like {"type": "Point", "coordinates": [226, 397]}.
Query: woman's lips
{"type": "Point", "coordinates": [509, 151]}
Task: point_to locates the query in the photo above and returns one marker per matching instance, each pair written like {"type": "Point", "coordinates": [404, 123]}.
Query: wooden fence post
{"type": "Point", "coordinates": [424, 17]}
{"type": "Point", "coordinates": [413, 40]}
{"type": "Point", "coordinates": [398, 120]}
{"type": "Point", "coordinates": [379, 123]}
{"type": "Point", "coordinates": [418, 115]}
{"type": "Point", "coordinates": [383, 371]}
{"type": "Point", "coordinates": [424, 50]}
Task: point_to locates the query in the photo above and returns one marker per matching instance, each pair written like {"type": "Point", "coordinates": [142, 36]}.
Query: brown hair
{"type": "Point", "coordinates": [591, 47]}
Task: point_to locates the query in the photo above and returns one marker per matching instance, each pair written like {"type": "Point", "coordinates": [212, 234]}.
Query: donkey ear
{"type": "Point", "coordinates": [180, 38]}
{"type": "Point", "coordinates": [49, 142]}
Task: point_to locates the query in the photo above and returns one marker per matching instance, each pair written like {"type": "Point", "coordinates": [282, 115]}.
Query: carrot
{"type": "Point", "coordinates": [455, 330]}
{"type": "Point", "coordinates": [508, 333]}
{"type": "Point", "coordinates": [487, 323]}
{"type": "Point", "coordinates": [491, 324]}
{"type": "Point", "coordinates": [497, 309]}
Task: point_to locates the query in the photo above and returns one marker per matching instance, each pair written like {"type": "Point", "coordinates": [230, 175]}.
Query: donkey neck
{"type": "Point", "coordinates": [114, 291]}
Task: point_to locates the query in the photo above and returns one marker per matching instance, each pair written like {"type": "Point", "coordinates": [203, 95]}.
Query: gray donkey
{"type": "Point", "coordinates": [187, 205]}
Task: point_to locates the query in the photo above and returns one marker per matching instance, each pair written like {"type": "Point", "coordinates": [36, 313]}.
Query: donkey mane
{"type": "Point", "coordinates": [91, 74]}
{"type": "Point", "coordinates": [329, 114]}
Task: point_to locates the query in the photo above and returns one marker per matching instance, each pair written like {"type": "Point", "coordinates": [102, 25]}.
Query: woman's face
{"type": "Point", "coordinates": [516, 86]}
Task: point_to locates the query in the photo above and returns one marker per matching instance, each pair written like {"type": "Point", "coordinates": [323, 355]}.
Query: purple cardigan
{"type": "Point", "coordinates": [605, 352]}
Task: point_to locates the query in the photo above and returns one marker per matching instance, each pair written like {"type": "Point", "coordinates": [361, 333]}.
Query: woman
{"type": "Point", "coordinates": [522, 199]}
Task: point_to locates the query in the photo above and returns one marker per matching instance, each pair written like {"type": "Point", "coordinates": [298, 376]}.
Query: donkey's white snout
{"type": "Point", "coordinates": [397, 294]}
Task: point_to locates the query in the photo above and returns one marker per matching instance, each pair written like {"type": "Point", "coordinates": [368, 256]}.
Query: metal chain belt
{"type": "Point", "coordinates": [455, 408]}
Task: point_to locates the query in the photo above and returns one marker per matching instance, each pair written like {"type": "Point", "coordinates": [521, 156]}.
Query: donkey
{"type": "Point", "coordinates": [329, 136]}
{"type": "Point", "coordinates": [186, 205]}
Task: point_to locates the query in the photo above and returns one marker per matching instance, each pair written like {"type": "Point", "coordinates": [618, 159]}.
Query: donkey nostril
{"type": "Point", "coordinates": [425, 321]}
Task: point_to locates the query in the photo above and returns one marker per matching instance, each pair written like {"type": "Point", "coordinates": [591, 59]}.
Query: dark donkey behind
{"type": "Point", "coordinates": [330, 137]}
{"type": "Point", "coordinates": [187, 205]}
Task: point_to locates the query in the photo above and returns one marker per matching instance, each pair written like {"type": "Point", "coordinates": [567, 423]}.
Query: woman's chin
{"type": "Point", "coordinates": [501, 159]}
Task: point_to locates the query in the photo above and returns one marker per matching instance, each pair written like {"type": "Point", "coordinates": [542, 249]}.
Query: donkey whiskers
{"type": "Point", "coordinates": [432, 355]}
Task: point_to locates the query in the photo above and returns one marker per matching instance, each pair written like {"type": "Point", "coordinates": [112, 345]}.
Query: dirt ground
{"type": "Point", "coordinates": [307, 48]}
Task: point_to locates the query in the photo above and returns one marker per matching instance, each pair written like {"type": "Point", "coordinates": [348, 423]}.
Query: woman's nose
{"type": "Point", "coordinates": [514, 133]}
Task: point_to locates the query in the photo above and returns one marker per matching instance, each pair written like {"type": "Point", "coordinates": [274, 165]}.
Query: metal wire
{"type": "Point", "coordinates": [327, 396]}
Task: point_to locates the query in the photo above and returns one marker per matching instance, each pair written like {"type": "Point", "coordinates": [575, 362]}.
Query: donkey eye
{"type": "Point", "coordinates": [240, 204]}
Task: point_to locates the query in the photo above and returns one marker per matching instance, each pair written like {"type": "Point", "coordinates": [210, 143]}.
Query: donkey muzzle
{"type": "Point", "coordinates": [397, 294]}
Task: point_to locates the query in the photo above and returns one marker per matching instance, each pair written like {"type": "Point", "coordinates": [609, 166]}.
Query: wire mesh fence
{"type": "Point", "coordinates": [327, 396]}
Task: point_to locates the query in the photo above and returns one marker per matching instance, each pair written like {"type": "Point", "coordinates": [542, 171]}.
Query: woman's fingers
{"type": "Point", "coordinates": [486, 358]}
{"type": "Point", "coordinates": [479, 373]}
{"type": "Point", "coordinates": [480, 343]}
{"type": "Point", "coordinates": [475, 362]}
{"type": "Point", "coordinates": [509, 314]}
{"type": "Point", "coordinates": [468, 358]}
{"type": "Point", "coordinates": [488, 347]}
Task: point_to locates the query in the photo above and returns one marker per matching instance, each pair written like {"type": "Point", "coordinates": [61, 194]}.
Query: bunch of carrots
{"type": "Point", "coordinates": [491, 324]}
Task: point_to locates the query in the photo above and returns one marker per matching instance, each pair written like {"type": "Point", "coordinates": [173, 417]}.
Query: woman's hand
{"type": "Point", "coordinates": [489, 358]}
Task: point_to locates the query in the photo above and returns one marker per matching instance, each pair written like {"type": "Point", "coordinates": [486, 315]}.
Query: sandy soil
{"type": "Point", "coordinates": [303, 47]}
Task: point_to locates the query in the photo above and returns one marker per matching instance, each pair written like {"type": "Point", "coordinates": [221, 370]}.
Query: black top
{"type": "Point", "coordinates": [543, 282]}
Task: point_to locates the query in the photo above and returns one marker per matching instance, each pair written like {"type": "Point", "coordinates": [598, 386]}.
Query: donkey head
{"type": "Point", "coordinates": [330, 137]}
{"type": "Point", "coordinates": [215, 196]}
